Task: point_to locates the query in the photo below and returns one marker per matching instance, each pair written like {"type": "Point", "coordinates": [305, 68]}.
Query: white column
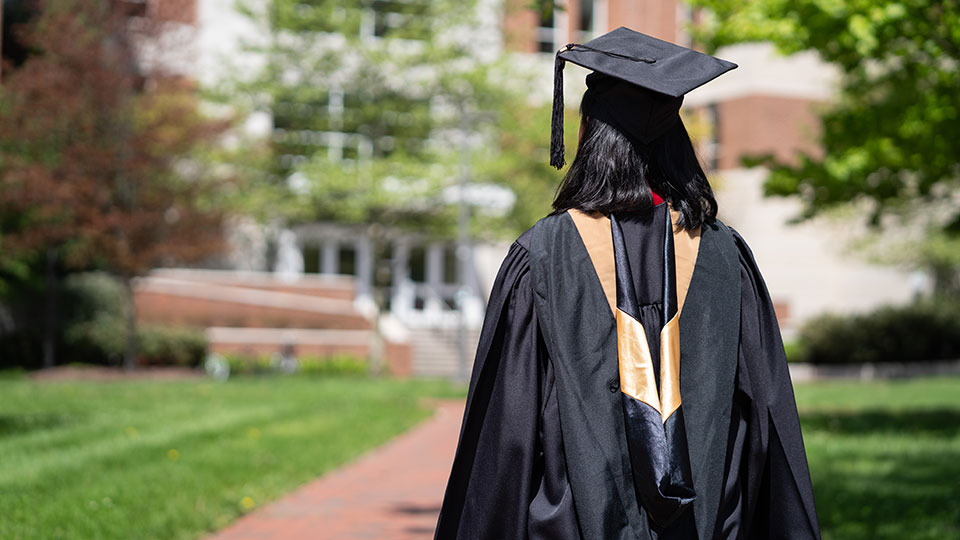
{"type": "Point", "coordinates": [364, 279]}
{"type": "Point", "coordinates": [434, 303]}
{"type": "Point", "coordinates": [401, 303]}
{"type": "Point", "coordinates": [331, 256]}
{"type": "Point", "coordinates": [469, 299]}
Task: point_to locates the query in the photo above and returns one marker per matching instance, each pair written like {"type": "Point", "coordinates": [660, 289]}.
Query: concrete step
{"type": "Point", "coordinates": [436, 351]}
{"type": "Point", "coordinates": [320, 285]}
{"type": "Point", "coordinates": [195, 303]}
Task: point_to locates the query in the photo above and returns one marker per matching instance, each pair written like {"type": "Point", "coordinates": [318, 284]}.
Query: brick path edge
{"type": "Point", "coordinates": [391, 493]}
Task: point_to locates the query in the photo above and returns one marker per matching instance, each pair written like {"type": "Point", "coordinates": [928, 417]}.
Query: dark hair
{"type": "Point", "coordinates": [611, 173]}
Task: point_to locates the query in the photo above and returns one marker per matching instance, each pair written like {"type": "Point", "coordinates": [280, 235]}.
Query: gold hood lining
{"type": "Point", "coordinates": [635, 362]}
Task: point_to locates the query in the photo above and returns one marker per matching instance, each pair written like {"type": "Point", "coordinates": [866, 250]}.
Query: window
{"type": "Point", "coordinates": [135, 8]}
{"type": "Point", "coordinates": [546, 42]}
{"type": "Point", "coordinates": [347, 260]}
{"type": "Point", "coordinates": [311, 259]}
{"type": "Point", "coordinates": [586, 21]}
{"type": "Point", "coordinates": [450, 265]}
{"type": "Point", "coordinates": [418, 264]}
{"type": "Point", "coordinates": [713, 146]}
{"type": "Point", "coordinates": [403, 19]}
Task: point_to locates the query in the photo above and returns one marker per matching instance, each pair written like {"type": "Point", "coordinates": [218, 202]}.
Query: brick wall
{"type": "Point", "coordinates": [657, 18]}
{"type": "Point", "coordinates": [181, 11]}
{"type": "Point", "coordinates": [159, 307]}
{"type": "Point", "coordinates": [520, 26]}
{"type": "Point", "coordinates": [765, 124]}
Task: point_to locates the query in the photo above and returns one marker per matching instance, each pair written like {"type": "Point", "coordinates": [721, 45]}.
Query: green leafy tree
{"type": "Point", "coordinates": [383, 110]}
{"type": "Point", "coordinates": [892, 135]}
{"type": "Point", "coordinates": [368, 101]}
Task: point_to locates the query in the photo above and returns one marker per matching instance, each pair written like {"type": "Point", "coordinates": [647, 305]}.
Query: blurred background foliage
{"type": "Point", "coordinates": [417, 109]}
{"type": "Point", "coordinates": [920, 332]}
{"type": "Point", "coordinates": [99, 167]}
{"type": "Point", "coordinates": [104, 170]}
{"type": "Point", "coordinates": [891, 138]}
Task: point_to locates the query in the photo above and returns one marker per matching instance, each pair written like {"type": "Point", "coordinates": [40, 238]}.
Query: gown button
{"type": "Point", "coordinates": [614, 386]}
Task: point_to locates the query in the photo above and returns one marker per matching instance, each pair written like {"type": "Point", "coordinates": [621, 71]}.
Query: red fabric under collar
{"type": "Point", "coordinates": [656, 198]}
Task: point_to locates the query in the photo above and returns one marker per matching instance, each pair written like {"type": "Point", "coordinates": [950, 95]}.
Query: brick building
{"type": "Point", "coordinates": [768, 105]}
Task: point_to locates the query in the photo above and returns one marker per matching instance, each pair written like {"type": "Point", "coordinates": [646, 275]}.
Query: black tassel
{"type": "Point", "coordinates": [556, 123]}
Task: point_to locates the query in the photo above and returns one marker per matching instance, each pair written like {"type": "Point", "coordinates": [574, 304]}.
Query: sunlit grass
{"type": "Point", "coordinates": [885, 458]}
{"type": "Point", "coordinates": [175, 459]}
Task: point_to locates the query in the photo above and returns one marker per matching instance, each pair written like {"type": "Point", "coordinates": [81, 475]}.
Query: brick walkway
{"type": "Point", "coordinates": [392, 493]}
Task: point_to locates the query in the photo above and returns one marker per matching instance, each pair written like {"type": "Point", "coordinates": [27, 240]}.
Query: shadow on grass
{"type": "Point", "coordinates": [923, 422]}
{"type": "Point", "coordinates": [18, 424]}
{"type": "Point", "coordinates": [886, 474]}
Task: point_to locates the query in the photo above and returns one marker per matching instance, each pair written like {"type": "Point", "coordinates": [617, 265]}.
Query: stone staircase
{"type": "Point", "coordinates": [258, 313]}
{"type": "Point", "coordinates": [435, 351]}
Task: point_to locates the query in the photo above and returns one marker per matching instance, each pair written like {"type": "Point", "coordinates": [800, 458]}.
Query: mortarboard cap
{"type": "Point", "coordinates": [637, 85]}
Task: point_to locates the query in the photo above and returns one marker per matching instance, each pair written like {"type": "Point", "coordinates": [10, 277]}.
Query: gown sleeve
{"type": "Point", "coordinates": [494, 475]}
{"type": "Point", "coordinates": [767, 492]}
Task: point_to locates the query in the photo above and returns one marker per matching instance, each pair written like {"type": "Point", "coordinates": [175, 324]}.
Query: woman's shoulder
{"type": "Point", "coordinates": [546, 223]}
{"type": "Point", "coordinates": [726, 236]}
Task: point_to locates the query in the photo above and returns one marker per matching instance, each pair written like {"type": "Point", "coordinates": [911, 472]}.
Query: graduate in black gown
{"type": "Point", "coordinates": [630, 380]}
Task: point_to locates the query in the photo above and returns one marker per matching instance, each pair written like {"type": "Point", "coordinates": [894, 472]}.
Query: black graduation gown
{"type": "Point", "coordinates": [542, 453]}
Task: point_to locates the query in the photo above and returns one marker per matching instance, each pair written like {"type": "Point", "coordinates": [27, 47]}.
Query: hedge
{"type": "Point", "coordinates": [92, 329]}
{"type": "Point", "coordinates": [919, 332]}
{"type": "Point", "coordinates": [338, 364]}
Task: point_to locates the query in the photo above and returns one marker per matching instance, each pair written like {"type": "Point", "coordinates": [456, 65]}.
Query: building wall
{"type": "Point", "coordinates": [663, 19]}
{"type": "Point", "coordinates": [811, 267]}
{"type": "Point", "coordinates": [764, 124]}
{"type": "Point", "coordinates": [520, 27]}
{"type": "Point", "coordinates": [181, 11]}
{"type": "Point", "coordinates": [658, 18]}
{"type": "Point", "coordinates": [768, 105]}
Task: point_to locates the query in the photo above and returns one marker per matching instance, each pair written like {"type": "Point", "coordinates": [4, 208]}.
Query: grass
{"type": "Point", "coordinates": [885, 457]}
{"type": "Point", "coordinates": [174, 459]}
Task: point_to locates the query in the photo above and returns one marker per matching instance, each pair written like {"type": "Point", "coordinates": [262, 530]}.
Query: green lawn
{"type": "Point", "coordinates": [885, 458]}
{"type": "Point", "coordinates": [175, 459]}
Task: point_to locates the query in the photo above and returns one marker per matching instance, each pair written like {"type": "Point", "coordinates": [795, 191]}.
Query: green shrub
{"type": "Point", "coordinates": [91, 328]}
{"type": "Point", "coordinates": [795, 351]}
{"type": "Point", "coordinates": [248, 363]}
{"type": "Point", "coordinates": [918, 332]}
{"type": "Point", "coordinates": [95, 328]}
{"type": "Point", "coordinates": [171, 345]}
{"type": "Point", "coordinates": [338, 364]}
{"type": "Point", "coordinates": [93, 319]}
{"type": "Point", "coordinates": [10, 374]}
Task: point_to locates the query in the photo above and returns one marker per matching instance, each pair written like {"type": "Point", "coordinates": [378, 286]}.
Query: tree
{"type": "Point", "coordinates": [892, 136]}
{"type": "Point", "coordinates": [385, 113]}
{"type": "Point", "coordinates": [368, 101]}
{"type": "Point", "coordinates": [95, 152]}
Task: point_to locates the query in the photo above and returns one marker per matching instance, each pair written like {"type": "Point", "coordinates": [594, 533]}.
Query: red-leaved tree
{"type": "Point", "coordinates": [99, 150]}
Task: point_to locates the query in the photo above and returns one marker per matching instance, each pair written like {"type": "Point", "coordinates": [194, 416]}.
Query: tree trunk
{"type": "Point", "coordinates": [50, 309]}
{"type": "Point", "coordinates": [130, 352]}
